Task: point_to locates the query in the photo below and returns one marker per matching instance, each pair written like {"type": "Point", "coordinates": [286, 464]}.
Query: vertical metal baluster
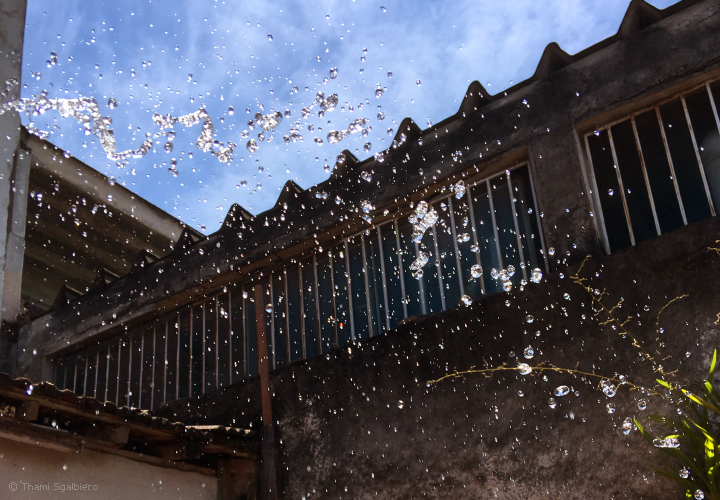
{"type": "Point", "coordinates": [421, 284]}
{"type": "Point", "coordinates": [129, 381]}
{"type": "Point", "coordinates": [244, 333]}
{"type": "Point", "coordinates": [697, 155]}
{"type": "Point", "coordinates": [521, 254]}
{"type": "Point", "coordinates": [349, 283]}
{"type": "Point", "coordinates": [672, 167]}
{"type": "Point", "coordinates": [453, 232]}
{"type": "Point", "coordinates": [399, 255]}
{"type": "Point", "coordinates": [75, 376]}
{"type": "Point", "coordinates": [152, 379]}
{"type": "Point", "coordinates": [117, 382]}
{"type": "Point", "coordinates": [302, 308]}
{"type": "Point", "coordinates": [287, 316]}
{"type": "Point", "coordinates": [217, 341]}
{"type": "Point", "coordinates": [97, 371]}
{"type": "Point", "coordinates": [107, 373]}
{"type": "Point", "coordinates": [384, 280]}
{"type": "Point", "coordinates": [190, 366]}
{"type": "Point", "coordinates": [476, 241]}
{"type": "Point", "coordinates": [317, 305]}
{"type": "Point", "coordinates": [645, 174]}
{"type": "Point", "coordinates": [142, 367]}
{"type": "Point", "coordinates": [165, 362]}
{"type": "Point", "coordinates": [438, 266]}
{"type": "Point", "coordinates": [537, 218]}
{"type": "Point", "coordinates": [712, 105]}
{"type": "Point", "coordinates": [331, 256]}
{"type": "Point", "coordinates": [494, 223]}
{"type": "Point", "coordinates": [65, 374]}
{"type": "Point", "coordinates": [600, 215]}
{"type": "Point", "coordinates": [204, 349]}
{"type": "Point", "coordinates": [85, 384]}
{"type": "Point", "coordinates": [367, 285]}
{"type": "Point", "coordinates": [272, 320]}
{"type": "Point", "coordinates": [177, 363]}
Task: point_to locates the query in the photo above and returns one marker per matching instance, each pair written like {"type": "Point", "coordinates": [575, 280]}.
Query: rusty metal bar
{"type": "Point", "coordinates": [400, 253]}
{"type": "Point", "coordinates": [621, 187]}
{"type": "Point", "coordinates": [697, 155]}
{"type": "Point", "coordinates": [384, 280]}
{"type": "Point", "coordinates": [494, 223]}
{"type": "Point", "coordinates": [645, 175]}
{"type": "Point", "coordinates": [672, 167]}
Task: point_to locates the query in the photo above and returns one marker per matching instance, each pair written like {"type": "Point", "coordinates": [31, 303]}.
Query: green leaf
{"type": "Point", "coordinates": [711, 375]}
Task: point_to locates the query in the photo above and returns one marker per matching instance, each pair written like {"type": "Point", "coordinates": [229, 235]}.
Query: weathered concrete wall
{"type": "Point", "coordinates": [23, 466]}
{"type": "Point", "coordinates": [341, 432]}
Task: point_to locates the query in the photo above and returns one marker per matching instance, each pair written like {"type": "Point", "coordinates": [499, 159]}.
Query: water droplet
{"type": "Point", "coordinates": [684, 473]}
{"type": "Point", "coordinates": [379, 92]}
{"type": "Point", "coordinates": [610, 407]}
{"type": "Point", "coordinates": [268, 308]}
{"type": "Point", "coordinates": [466, 300]}
{"type": "Point", "coordinates": [668, 442]}
{"type": "Point", "coordinates": [608, 388]}
{"type": "Point", "coordinates": [251, 146]}
{"type": "Point", "coordinates": [270, 37]}
{"type": "Point", "coordinates": [383, 9]}
{"type": "Point", "coordinates": [627, 426]}
{"type": "Point", "coordinates": [366, 176]}
{"type": "Point", "coordinates": [611, 192]}
{"type": "Point", "coordinates": [168, 147]}
{"type": "Point", "coordinates": [642, 404]}
{"type": "Point", "coordinates": [401, 405]}
{"type": "Point", "coordinates": [333, 73]}
{"type": "Point", "coordinates": [418, 83]}
{"type": "Point", "coordinates": [367, 147]}
{"type": "Point", "coordinates": [524, 368]}
{"type": "Point", "coordinates": [699, 495]}
{"type": "Point", "coordinates": [528, 353]}
{"type": "Point", "coordinates": [231, 110]}
{"type": "Point", "coordinates": [30, 389]}
{"type": "Point", "coordinates": [536, 275]}
{"type": "Point", "coordinates": [389, 74]}
{"type": "Point", "coordinates": [476, 271]}
{"type": "Point", "coordinates": [366, 206]}
{"type": "Point", "coordinates": [552, 403]}
{"type": "Point", "coordinates": [562, 390]}
{"type": "Point", "coordinates": [463, 238]}
{"type": "Point", "coordinates": [530, 318]}
{"type": "Point", "coordinates": [112, 103]}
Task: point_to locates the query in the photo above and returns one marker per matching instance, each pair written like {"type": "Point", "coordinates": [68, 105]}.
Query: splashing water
{"type": "Point", "coordinates": [422, 219]}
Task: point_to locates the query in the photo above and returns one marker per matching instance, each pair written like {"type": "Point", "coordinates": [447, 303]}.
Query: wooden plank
{"type": "Point", "coordinates": [27, 411]}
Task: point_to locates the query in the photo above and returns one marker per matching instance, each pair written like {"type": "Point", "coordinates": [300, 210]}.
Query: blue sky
{"type": "Point", "coordinates": [175, 57]}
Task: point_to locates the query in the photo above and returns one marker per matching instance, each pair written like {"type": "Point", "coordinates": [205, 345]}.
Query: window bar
{"type": "Point", "coordinates": [217, 341]}
{"type": "Point", "coordinates": [367, 287]}
{"type": "Point", "coordinates": [75, 376]}
{"type": "Point", "coordinates": [85, 386]}
{"type": "Point", "coordinates": [697, 155]}
{"type": "Point", "coordinates": [672, 167]}
{"type": "Point", "coordinates": [230, 337]}
{"type": "Point", "coordinates": [384, 281]}
{"type": "Point", "coordinates": [349, 284]}
{"type": "Point", "coordinates": [332, 294]}
{"type": "Point", "coordinates": [453, 231]}
{"type": "Point", "coordinates": [712, 105]}
{"type": "Point", "coordinates": [521, 254]}
{"type": "Point", "coordinates": [539, 222]}
{"type": "Point", "coordinates": [400, 267]}
{"type": "Point", "coordinates": [152, 377]}
{"type": "Point", "coordinates": [244, 334]}
{"type": "Point", "coordinates": [494, 224]}
{"type": "Point", "coordinates": [177, 363]}
{"type": "Point", "coordinates": [107, 374]}
{"type": "Point", "coordinates": [438, 266]}
{"type": "Point", "coordinates": [65, 372]}
{"type": "Point", "coordinates": [605, 240]}
{"type": "Point", "coordinates": [287, 315]}
{"type": "Point", "coordinates": [97, 371]}
{"type": "Point", "coordinates": [622, 188]}
{"type": "Point", "coordinates": [142, 367]}
{"type": "Point", "coordinates": [117, 387]}
{"type": "Point", "coordinates": [475, 236]}
{"type": "Point", "coordinates": [317, 306]}
{"type": "Point", "coordinates": [423, 307]}
{"type": "Point", "coordinates": [204, 349]}
{"type": "Point", "coordinates": [165, 362]}
{"type": "Point", "coordinates": [190, 349]}
{"type": "Point", "coordinates": [302, 312]}
{"type": "Point", "coordinates": [645, 175]}
{"type": "Point", "coordinates": [272, 318]}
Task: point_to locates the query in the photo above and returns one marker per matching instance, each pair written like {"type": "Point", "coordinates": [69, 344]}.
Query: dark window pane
{"type": "Point", "coordinates": [223, 364]}
{"type": "Point", "coordinates": [294, 312]}
{"type": "Point", "coordinates": [113, 377]}
{"type": "Point", "coordinates": [527, 218]}
{"type": "Point", "coordinates": [667, 207]}
{"type": "Point", "coordinates": [172, 361]}
{"type": "Point", "coordinates": [210, 344]}
{"type": "Point", "coordinates": [80, 373]}
{"type": "Point", "coordinates": [706, 137]}
{"type": "Point", "coordinates": [280, 334]}
{"type": "Point", "coordinates": [682, 152]}
{"type": "Point", "coordinates": [430, 281]}
{"type": "Point", "coordinates": [487, 244]}
{"type": "Point", "coordinates": [609, 191]}
{"type": "Point", "coordinates": [505, 221]}
{"type": "Point", "coordinates": [250, 334]}
{"type": "Point", "coordinates": [636, 193]}
{"type": "Point", "coordinates": [102, 369]}
{"type": "Point", "coordinates": [91, 373]}
{"type": "Point", "coordinates": [238, 336]}
{"type": "Point", "coordinates": [446, 239]}
{"type": "Point", "coordinates": [357, 283]}
{"type": "Point", "coordinates": [375, 282]}
{"type": "Point", "coordinates": [412, 285]}
{"type": "Point", "coordinates": [184, 365]}
{"type": "Point", "coordinates": [325, 294]}
{"type": "Point", "coordinates": [125, 367]}
{"type": "Point", "coordinates": [342, 303]}
{"type": "Point", "coordinates": [197, 351]}
{"type": "Point", "coordinates": [136, 365]}
{"type": "Point", "coordinates": [268, 317]}
{"type": "Point", "coordinates": [146, 381]}
{"type": "Point", "coordinates": [160, 365]}
{"type": "Point", "coordinates": [309, 310]}
{"type": "Point", "coordinates": [391, 260]}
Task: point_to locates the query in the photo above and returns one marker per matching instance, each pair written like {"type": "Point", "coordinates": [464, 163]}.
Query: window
{"type": "Point", "coordinates": [658, 169]}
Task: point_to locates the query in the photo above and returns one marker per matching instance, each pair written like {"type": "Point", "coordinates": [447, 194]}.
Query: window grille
{"type": "Point", "coordinates": [657, 169]}
{"type": "Point", "coordinates": [359, 288]}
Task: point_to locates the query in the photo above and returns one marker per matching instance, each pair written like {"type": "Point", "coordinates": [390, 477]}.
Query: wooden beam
{"type": "Point", "coordinates": [27, 411]}
{"type": "Point", "coordinates": [237, 478]}
{"type": "Point", "coordinates": [178, 450]}
{"type": "Point", "coordinates": [118, 434]}
{"type": "Point", "coordinates": [42, 442]}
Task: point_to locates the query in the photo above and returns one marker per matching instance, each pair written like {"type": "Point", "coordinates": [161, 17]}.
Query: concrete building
{"type": "Point", "coordinates": [311, 322]}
